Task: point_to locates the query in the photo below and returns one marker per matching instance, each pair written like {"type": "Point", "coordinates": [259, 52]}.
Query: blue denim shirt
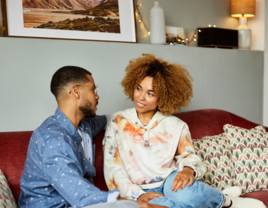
{"type": "Point", "coordinates": [56, 172]}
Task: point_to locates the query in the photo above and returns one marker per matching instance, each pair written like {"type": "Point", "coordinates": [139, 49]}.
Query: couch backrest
{"type": "Point", "coordinates": [13, 150]}
{"type": "Point", "coordinates": [13, 145]}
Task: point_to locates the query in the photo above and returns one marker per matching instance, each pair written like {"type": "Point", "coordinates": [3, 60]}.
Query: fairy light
{"type": "Point", "coordinates": [141, 19]}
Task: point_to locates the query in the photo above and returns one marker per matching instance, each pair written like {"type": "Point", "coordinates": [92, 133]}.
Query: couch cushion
{"type": "Point", "coordinates": [214, 151]}
{"type": "Point", "coordinates": [249, 150]}
{"type": "Point", "coordinates": [6, 196]}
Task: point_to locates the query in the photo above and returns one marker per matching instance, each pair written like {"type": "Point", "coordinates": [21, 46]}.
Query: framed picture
{"type": "Point", "coordinates": [175, 34]}
{"type": "Point", "coordinates": [98, 20]}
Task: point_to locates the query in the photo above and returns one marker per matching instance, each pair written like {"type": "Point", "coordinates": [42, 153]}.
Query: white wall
{"type": "Point", "coordinates": [257, 26]}
{"type": "Point", "coordinates": [265, 81]}
{"type": "Point", "coordinates": [223, 79]}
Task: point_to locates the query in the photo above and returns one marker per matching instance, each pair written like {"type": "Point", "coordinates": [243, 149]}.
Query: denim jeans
{"type": "Point", "coordinates": [198, 195]}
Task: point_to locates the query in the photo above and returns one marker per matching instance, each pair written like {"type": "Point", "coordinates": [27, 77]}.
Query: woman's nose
{"type": "Point", "coordinates": [142, 95]}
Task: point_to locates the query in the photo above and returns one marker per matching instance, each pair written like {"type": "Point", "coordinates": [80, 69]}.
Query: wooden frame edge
{"type": "Point", "coordinates": [4, 18]}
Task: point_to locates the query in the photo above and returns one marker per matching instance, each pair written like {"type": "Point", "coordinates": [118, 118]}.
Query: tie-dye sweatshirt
{"type": "Point", "coordinates": [138, 157]}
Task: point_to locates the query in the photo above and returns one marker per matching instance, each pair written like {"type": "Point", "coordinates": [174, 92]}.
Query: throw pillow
{"type": "Point", "coordinates": [249, 150]}
{"type": "Point", "coordinates": [6, 196]}
{"type": "Point", "coordinates": [214, 151]}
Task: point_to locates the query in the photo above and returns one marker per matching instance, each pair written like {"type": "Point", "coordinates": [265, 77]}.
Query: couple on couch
{"type": "Point", "coordinates": [149, 160]}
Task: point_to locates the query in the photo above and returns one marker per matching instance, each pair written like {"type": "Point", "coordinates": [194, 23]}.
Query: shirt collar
{"type": "Point", "coordinates": [67, 125]}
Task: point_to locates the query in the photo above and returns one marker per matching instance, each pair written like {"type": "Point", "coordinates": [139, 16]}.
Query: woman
{"type": "Point", "coordinates": [148, 154]}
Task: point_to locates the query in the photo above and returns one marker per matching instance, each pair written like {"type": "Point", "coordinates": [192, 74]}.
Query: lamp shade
{"type": "Point", "coordinates": [243, 8]}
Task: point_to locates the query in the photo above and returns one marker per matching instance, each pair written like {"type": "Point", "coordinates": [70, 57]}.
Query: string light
{"type": "Point", "coordinates": [141, 19]}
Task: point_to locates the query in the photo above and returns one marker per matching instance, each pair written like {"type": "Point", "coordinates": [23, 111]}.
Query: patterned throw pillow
{"type": "Point", "coordinates": [6, 197]}
{"type": "Point", "coordinates": [214, 151]}
{"type": "Point", "coordinates": [249, 150]}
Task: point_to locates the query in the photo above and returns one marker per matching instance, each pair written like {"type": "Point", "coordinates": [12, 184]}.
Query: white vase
{"type": "Point", "coordinates": [157, 25]}
{"type": "Point", "coordinates": [244, 35]}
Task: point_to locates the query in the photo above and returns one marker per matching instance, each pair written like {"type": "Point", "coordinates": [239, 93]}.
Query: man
{"type": "Point", "coordinates": [58, 170]}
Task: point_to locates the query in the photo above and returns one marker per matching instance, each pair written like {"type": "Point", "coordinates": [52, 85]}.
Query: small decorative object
{"type": "Point", "coordinates": [175, 35]}
{"type": "Point", "coordinates": [99, 20]}
{"type": "Point", "coordinates": [217, 37]}
{"type": "Point", "coordinates": [243, 9]}
{"type": "Point", "coordinates": [157, 25]}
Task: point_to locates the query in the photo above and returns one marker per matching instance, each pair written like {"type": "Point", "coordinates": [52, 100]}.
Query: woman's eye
{"type": "Point", "coordinates": [150, 94]}
{"type": "Point", "coordinates": [139, 89]}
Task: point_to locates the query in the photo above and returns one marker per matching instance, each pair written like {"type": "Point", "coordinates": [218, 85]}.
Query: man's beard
{"type": "Point", "coordinates": [86, 109]}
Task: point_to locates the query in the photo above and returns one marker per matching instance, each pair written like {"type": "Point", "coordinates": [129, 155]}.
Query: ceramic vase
{"type": "Point", "coordinates": [244, 34]}
{"type": "Point", "coordinates": [157, 25]}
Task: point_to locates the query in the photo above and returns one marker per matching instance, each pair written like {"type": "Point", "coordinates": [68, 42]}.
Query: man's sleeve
{"type": "Point", "coordinates": [96, 124]}
{"type": "Point", "coordinates": [64, 172]}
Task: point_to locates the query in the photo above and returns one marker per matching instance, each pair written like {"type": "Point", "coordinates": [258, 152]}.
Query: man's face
{"type": "Point", "coordinates": [89, 98]}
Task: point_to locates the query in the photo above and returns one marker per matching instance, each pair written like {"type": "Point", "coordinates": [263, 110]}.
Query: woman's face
{"type": "Point", "coordinates": [144, 97]}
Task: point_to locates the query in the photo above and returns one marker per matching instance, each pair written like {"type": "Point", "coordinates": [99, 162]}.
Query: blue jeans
{"type": "Point", "coordinates": [199, 195]}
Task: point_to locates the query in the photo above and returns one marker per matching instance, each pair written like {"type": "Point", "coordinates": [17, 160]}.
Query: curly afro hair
{"type": "Point", "coordinates": [171, 80]}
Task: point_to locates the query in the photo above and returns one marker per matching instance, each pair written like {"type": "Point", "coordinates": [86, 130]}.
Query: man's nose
{"type": "Point", "coordinates": [97, 97]}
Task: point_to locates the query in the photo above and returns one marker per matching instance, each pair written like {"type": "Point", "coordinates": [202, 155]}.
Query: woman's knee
{"type": "Point", "coordinates": [196, 195]}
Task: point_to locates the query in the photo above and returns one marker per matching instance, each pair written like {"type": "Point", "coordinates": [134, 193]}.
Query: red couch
{"type": "Point", "coordinates": [13, 146]}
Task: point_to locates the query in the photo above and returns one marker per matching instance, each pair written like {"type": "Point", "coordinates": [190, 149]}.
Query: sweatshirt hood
{"type": "Point", "coordinates": [131, 115]}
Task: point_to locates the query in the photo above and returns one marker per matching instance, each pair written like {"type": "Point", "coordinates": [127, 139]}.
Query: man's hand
{"type": "Point", "coordinates": [148, 196]}
{"type": "Point", "coordinates": [146, 205]}
{"type": "Point", "coordinates": [182, 178]}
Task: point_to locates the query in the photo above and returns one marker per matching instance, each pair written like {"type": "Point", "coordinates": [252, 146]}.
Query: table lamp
{"type": "Point", "coordinates": [243, 9]}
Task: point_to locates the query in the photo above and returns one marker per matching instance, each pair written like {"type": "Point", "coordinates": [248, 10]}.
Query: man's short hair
{"type": "Point", "coordinates": [66, 75]}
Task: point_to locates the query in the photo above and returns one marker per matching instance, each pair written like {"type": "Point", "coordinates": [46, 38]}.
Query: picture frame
{"type": "Point", "coordinates": [101, 20]}
{"type": "Point", "coordinates": [175, 34]}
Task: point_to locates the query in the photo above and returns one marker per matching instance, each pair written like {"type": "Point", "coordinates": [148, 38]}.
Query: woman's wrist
{"type": "Point", "coordinates": [189, 169]}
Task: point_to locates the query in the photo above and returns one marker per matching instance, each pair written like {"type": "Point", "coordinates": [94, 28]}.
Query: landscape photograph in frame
{"type": "Point", "coordinates": [81, 15]}
{"type": "Point", "coordinates": [101, 20]}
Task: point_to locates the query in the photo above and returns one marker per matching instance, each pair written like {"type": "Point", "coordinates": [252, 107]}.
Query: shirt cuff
{"type": "Point", "coordinates": [192, 167]}
{"type": "Point", "coordinates": [137, 194]}
{"type": "Point", "coordinates": [108, 116]}
{"type": "Point", "coordinates": [113, 196]}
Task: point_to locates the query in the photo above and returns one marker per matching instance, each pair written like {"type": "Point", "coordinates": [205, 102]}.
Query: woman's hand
{"type": "Point", "coordinates": [148, 196]}
{"type": "Point", "coordinates": [182, 178]}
